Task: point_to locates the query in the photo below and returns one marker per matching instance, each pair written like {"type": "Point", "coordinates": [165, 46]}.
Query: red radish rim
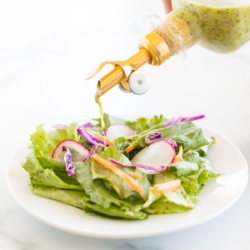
{"type": "Point", "coordinates": [67, 140]}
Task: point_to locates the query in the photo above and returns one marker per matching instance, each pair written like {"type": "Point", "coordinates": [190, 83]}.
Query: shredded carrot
{"type": "Point", "coordinates": [135, 175]}
{"type": "Point", "coordinates": [178, 157]}
{"type": "Point", "coordinates": [189, 203]}
{"type": "Point", "coordinates": [105, 139]}
{"type": "Point", "coordinates": [166, 187]}
{"type": "Point", "coordinates": [112, 167]}
{"type": "Point", "coordinates": [129, 148]}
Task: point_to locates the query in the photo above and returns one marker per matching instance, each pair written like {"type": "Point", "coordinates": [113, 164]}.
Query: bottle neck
{"type": "Point", "coordinates": [180, 30]}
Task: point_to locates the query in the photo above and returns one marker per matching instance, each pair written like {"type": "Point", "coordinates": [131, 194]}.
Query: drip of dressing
{"type": "Point", "coordinates": [98, 101]}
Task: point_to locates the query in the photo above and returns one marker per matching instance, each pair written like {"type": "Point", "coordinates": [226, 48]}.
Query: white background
{"type": "Point", "coordinates": [47, 48]}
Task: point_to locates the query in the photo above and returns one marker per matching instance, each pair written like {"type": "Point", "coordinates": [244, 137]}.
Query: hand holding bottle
{"type": "Point", "coordinates": [167, 5]}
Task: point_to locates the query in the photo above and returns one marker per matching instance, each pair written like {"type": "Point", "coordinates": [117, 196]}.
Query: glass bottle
{"type": "Point", "coordinates": [222, 26]}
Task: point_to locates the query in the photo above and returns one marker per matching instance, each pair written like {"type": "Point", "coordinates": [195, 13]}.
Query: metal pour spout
{"type": "Point", "coordinates": [152, 49]}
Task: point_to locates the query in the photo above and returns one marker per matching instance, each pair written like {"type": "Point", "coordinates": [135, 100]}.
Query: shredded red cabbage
{"type": "Point", "coordinates": [68, 161]}
{"type": "Point", "coordinates": [91, 152]}
{"type": "Point", "coordinates": [154, 136]}
{"type": "Point", "coordinates": [157, 136]}
{"type": "Point", "coordinates": [174, 121]}
{"type": "Point", "coordinates": [85, 136]}
{"type": "Point", "coordinates": [86, 125]}
{"type": "Point", "coordinates": [144, 168]}
{"type": "Point", "coordinates": [89, 138]}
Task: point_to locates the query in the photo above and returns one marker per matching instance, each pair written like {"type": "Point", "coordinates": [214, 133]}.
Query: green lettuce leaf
{"type": "Point", "coordinates": [142, 123]}
{"type": "Point", "coordinates": [196, 180]}
{"type": "Point", "coordinates": [185, 134]}
{"type": "Point", "coordinates": [96, 189]}
{"type": "Point", "coordinates": [181, 168]}
{"type": "Point", "coordinates": [36, 162]}
{"type": "Point", "coordinates": [114, 211]}
{"type": "Point", "coordinates": [47, 177]}
{"type": "Point", "coordinates": [203, 163]}
{"type": "Point", "coordinates": [122, 188]}
{"type": "Point", "coordinates": [71, 197]}
{"type": "Point", "coordinates": [168, 202]}
{"type": "Point", "coordinates": [48, 140]}
{"type": "Point", "coordinates": [103, 200]}
{"type": "Point", "coordinates": [80, 200]}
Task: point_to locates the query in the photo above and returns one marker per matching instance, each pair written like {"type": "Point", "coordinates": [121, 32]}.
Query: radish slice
{"type": "Point", "coordinates": [78, 151]}
{"type": "Point", "coordinates": [118, 130]}
{"type": "Point", "coordinates": [157, 136]}
{"type": "Point", "coordinates": [159, 153]}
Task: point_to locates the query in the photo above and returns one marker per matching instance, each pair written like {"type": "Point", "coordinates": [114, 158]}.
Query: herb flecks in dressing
{"type": "Point", "coordinates": [222, 29]}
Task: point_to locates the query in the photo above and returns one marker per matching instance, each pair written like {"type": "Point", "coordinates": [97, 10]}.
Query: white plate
{"type": "Point", "coordinates": [217, 196]}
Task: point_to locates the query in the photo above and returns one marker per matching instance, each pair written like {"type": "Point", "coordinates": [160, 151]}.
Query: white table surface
{"type": "Point", "coordinates": [46, 49]}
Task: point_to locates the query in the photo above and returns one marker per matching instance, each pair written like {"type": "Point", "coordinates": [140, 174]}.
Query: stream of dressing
{"type": "Point", "coordinates": [98, 101]}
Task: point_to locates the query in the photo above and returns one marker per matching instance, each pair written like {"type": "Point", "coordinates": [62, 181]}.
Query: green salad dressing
{"type": "Point", "coordinates": [98, 101]}
{"type": "Point", "coordinates": [222, 29]}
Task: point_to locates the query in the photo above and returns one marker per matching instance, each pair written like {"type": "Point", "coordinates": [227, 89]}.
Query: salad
{"type": "Point", "coordinates": [126, 169]}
